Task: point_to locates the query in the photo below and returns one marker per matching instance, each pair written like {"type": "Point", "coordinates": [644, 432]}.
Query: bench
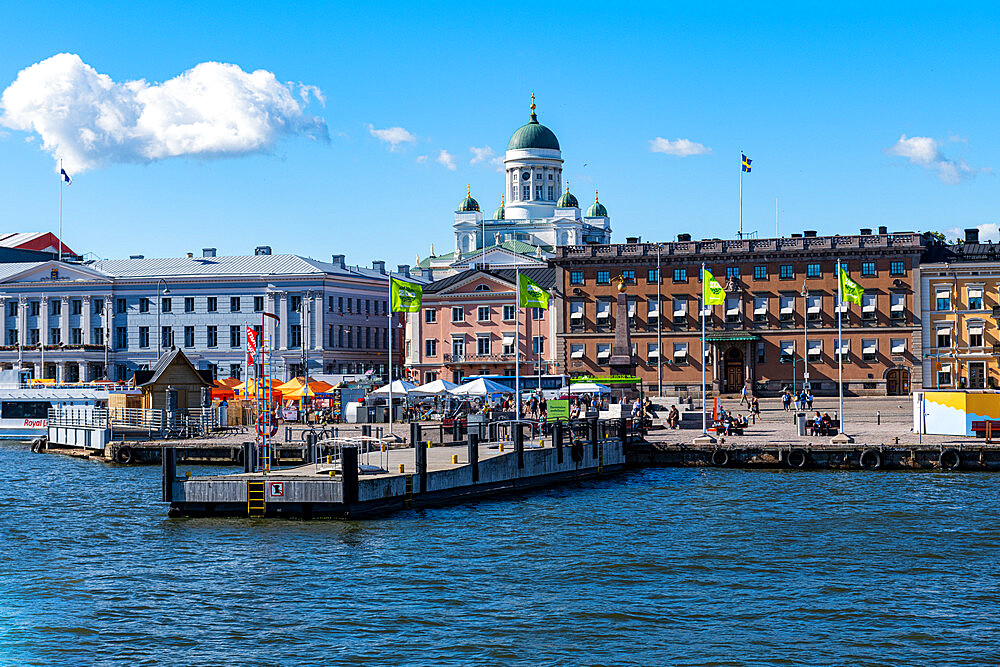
{"type": "Point", "coordinates": [832, 429]}
{"type": "Point", "coordinates": [985, 428]}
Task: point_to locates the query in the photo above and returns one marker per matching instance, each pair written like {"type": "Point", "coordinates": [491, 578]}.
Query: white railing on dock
{"type": "Point", "coordinates": [80, 415]}
{"type": "Point", "coordinates": [136, 418]}
{"type": "Point", "coordinates": [327, 454]}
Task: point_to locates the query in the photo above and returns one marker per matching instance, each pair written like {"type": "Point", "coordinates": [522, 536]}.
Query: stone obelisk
{"type": "Point", "coordinates": [622, 362]}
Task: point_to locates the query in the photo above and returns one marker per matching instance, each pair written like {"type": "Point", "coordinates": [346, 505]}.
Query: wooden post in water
{"type": "Point", "coordinates": [419, 456]}
{"type": "Point", "coordinates": [349, 474]}
{"type": "Point", "coordinates": [248, 454]}
{"type": "Point", "coordinates": [168, 466]}
{"type": "Point", "coordinates": [473, 440]}
{"type": "Point", "coordinates": [519, 444]}
{"type": "Point", "coordinates": [594, 435]}
{"type": "Point", "coordinates": [557, 440]}
{"type": "Point", "coordinates": [623, 430]}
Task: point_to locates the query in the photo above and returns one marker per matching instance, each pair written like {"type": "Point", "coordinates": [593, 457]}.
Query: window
{"type": "Point", "coordinates": [33, 337]}
{"type": "Point", "coordinates": [897, 305]}
{"type": "Point", "coordinates": [165, 305]}
{"type": "Point", "coordinates": [815, 350]}
{"type": "Point", "coordinates": [143, 305]}
{"type": "Point", "coordinates": [98, 307]}
{"type": "Point", "coordinates": [603, 277]}
{"type": "Point", "coordinates": [538, 344]}
{"type": "Point", "coordinates": [458, 347]}
{"type": "Point", "coordinates": [99, 336]}
{"type": "Point", "coordinates": [538, 192]}
{"type": "Point", "coordinates": [350, 336]}
{"type": "Point", "coordinates": [680, 275]}
{"type": "Point", "coordinates": [551, 193]}
{"type": "Point", "coordinates": [430, 316]}
{"type": "Point", "coordinates": [188, 336]}
{"type": "Point", "coordinates": [733, 272]}
{"type": "Point", "coordinates": [508, 313]}
{"type": "Point", "coordinates": [629, 277]}
{"type": "Point", "coordinates": [760, 309]}
{"type": "Point", "coordinates": [213, 304]}
{"type": "Point", "coordinates": [576, 313]}
{"type": "Point", "coordinates": [120, 306]}
{"type": "Point", "coordinates": [787, 351]}
{"type": "Point", "coordinates": [814, 308]}
{"type": "Point", "coordinates": [845, 348]}
{"type": "Point", "coordinates": [235, 336]}
{"type": "Point", "coordinates": [603, 353]}
{"type": "Point", "coordinates": [944, 375]}
{"type": "Point", "coordinates": [576, 351]}
{"type": "Point", "coordinates": [603, 311]}
{"type": "Point", "coordinates": [368, 306]}
{"type": "Point", "coordinates": [536, 313]}
{"type": "Point", "coordinates": [121, 337]}
{"type": "Point", "coordinates": [235, 371]}
{"type": "Point", "coordinates": [732, 309]}
{"type": "Point", "coordinates": [525, 192]}
{"type": "Point", "coordinates": [430, 347]}
{"type": "Point", "coordinates": [12, 308]}
{"type": "Point", "coordinates": [295, 336]}
{"type": "Point", "coordinates": [680, 354]}
{"type": "Point", "coordinates": [76, 336]}
{"type": "Point", "coordinates": [975, 298]}
{"type": "Point", "coordinates": [76, 306]}
{"type": "Point", "coordinates": [213, 336]}
{"type": "Point", "coordinates": [234, 304]}
{"type": "Point", "coordinates": [56, 306]}
{"type": "Point", "coordinates": [295, 303]}
{"type": "Point", "coordinates": [576, 277]}
{"type": "Point", "coordinates": [143, 336]}
{"type": "Point", "coordinates": [869, 349]}
{"type": "Point", "coordinates": [166, 337]}
{"type": "Point", "coordinates": [258, 304]}
{"type": "Point", "coordinates": [55, 336]}
{"type": "Point", "coordinates": [813, 271]}
{"type": "Point", "coordinates": [653, 276]}
{"type": "Point", "coordinates": [787, 309]}
{"type": "Point", "coordinates": [652, 353]}
{"type": "Point", "coordinates": [483, 314]}
{"type": "Point", "coordinates": [868, 303]}
{"type": "Point", "coordinates": [761, 356]}
{"type": "Point", "coordinates": [508, 343]}
{"type": "Point", "coordinates": [482, 344]}
{"type": "Point", "coordinates": [975, 334]}
{"type": "Point", "coordinates": [458, 313]}
{"type": "Point", "coordinates": [897, 268]}
{"type": "Point", "coordinates": [189, 304]}
{"type": "Point", "coordinates": [868, 269]}
{"type": "Point", "coordinates": [760, 273]}
{"type": "Point", "coordinates": [786, 272]}
{"type": "Point", "coordinates": [33, 308]}
{"type": "Point", "coordinates": [898, 345]}
{"type": "Point", "coordinates": [12, 336]}
{"type": "Point", "coordinates": [944, 337]}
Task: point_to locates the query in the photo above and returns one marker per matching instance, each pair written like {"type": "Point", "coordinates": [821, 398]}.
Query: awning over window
{"type": "Point", "coordinates": [944, 331]}
{"type": "Point", "coordinates": [578, 351]}
{"type": "Point", "coordinates": [815, 348]}
{"type": "Point", "coordinates": [508, 339]}
{"type": "Point", "coordinates": [868, 303]}
{"type": "Point", "coordinates": [943, 293]}
{"type": "Point", "coordinates": [787, 305]}
{"type": "Point", "coordinates": [898, 301]}
{"type": "Point", "coordinates": [898, 345]}
{"type": "Point", "coordinates": [732, 306]}
{"type": "Point", "coordinates": [945, 368]}
{"type": "Point", "coordinates": [603, 351]}
{"type": "Point", "coordinates": [631, 308]}
{"type": "Point", "coordinates": [845, 347]}
{"type": "Point", "coordinates": [842, 307]}
{"type": "Point", "coordinates": [788, 348]}
{"type": "Point", "coordinates": [760, 306]}
{"type": "Point", "coordinates": [680, 350]}
{"type": "Point", "coordinates": [814, 304]}
{"type": "Point", "coordinates": [869, 347]}
{"type": "Point", "coordinates": [975, 292]}
{"type": "Point", "coordinates": [576, 310]}
{"type": "Point", "coordinates": [680, 307]}
{"type": "Point", "coordinates": [976, 329]}
{"type": "Point", "coordinates": [603, 309]}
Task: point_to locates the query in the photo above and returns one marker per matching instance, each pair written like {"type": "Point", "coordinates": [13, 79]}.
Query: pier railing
{"type": "Point", "coordinates": [71, 415]}
{"type": "Point", "coordinates": [136, 418]}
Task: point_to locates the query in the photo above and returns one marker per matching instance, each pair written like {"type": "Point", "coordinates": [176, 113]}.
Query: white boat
{"type": "Point", "coordinates": [24, 410]}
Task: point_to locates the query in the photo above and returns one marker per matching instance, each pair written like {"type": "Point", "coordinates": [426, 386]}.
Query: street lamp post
{"type": "Point", "coordinates": [805, 337]}
{"type": "Point", "coordinates": [659, 326]}
{"type": "Point", "coordinates": [159, 311]}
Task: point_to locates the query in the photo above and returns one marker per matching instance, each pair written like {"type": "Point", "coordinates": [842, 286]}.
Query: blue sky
{"type": "Point", "coordinates": [818, 97]}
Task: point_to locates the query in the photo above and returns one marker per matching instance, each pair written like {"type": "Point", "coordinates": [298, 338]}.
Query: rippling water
{"type": "Point", "coordinates": [663, 566]}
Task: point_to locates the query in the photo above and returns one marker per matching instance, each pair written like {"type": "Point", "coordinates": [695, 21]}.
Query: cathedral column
{"type": "Point", "coordinates": [88, 335]}
{"type": "Point", "coordinates": [64, 320]}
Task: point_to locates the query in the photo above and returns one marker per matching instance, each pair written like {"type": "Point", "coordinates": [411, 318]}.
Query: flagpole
{"type": "Point", "coordinates": [517, 341]}
{"type": "Point", "coordinates": [704, 417]}
{"type": "Point", "coordinates": [840, 344]}
{"type": "Point", "coordinates": [61, 180]}
{"type": "Point", "coordinates": [389, 315]}
{"type": "Point", "coordinates": [741, 193]}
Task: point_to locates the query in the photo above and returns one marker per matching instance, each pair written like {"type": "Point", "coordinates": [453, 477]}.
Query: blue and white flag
{"type": "Point", "coordinates": [65, 177]}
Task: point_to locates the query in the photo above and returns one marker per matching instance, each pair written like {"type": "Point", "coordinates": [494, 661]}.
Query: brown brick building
{"type": "Point", "coordinates": [780, 312]}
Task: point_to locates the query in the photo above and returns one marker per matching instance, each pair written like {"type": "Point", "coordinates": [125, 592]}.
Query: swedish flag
{"type": "Point", "coordinates": [746, 163]}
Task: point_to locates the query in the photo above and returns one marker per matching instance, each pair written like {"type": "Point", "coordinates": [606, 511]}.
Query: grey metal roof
{"type": "Point", "coordinates": [12, 269]}
{"type": "Point", "coordinates": [238, 265]}
{"type": "Point", "coordinates": [545, 277]}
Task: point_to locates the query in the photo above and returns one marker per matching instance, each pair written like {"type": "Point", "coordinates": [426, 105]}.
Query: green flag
{"type": "Point", "coordinates": [713, 293]}
{"type": "Point", "coordinates": [530, 294]}
{"type": "Point", "coordinates": [405, 297]}
{"type": "Point", "coordinates": [850, 290]}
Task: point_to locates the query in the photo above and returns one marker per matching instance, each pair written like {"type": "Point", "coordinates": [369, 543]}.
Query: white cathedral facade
{"type": "Point", "coordinates": [537, 211]}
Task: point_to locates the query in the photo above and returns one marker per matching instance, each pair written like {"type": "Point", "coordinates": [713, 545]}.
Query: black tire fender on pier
{"type": "Point", "coordinates": [36, 445]}
{"type": "Point", "coordinates": [125, 455]}
{"type": "Point", "coordinates": [870, 459]}
{"type": "Point", "coordinates": [949, 459]}
{"type": "Point", "coordinates": [720, 458]}
{"type": "Point", "coordinates": [239, 457]}
{"type": "Point", "coordinates": [797, 458]}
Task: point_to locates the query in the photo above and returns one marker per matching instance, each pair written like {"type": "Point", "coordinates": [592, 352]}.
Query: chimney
{"type": "Point", "coordinates": [139, 256]}
{"type": "Point", "coordinates": [796, 236]}
{"type": "Point", "coordinates": [378, 265]}
{"type": "Point", "coordinates": [683, 237]}
{"type": "Point", "coordinates": [972, 235]}
{"type": "Point", "coordinates": [809, 234]}
{"type": "Point", "coordinates": [208, 252]}
{"type": "Point", "coordinates": [427, 274]}
{"type": "Point", "coordinates": [339, 261]}
{"type": "Point", "coordinates": [883, 230]}
{"type": "Point", "coordinates": [190, 255]}
{"type": "Point", "coordinates": [865, 231]}
{"type": "Point", "coordinates": [403, 270]}
{"type": "Point", "coordinates": [262, 250]}
{"type": "Point", "coordinates": [632, 239]}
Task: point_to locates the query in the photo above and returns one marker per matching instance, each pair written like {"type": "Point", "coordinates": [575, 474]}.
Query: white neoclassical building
{"type": "Point", "coordinates": [537, 211]}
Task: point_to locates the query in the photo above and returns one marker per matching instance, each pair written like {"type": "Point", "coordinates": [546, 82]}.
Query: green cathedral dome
{"type": "Point", "coordinates": [533, 135]}
{"type": "Point", "coordinates": [597, 209]}
{"type": "Point", "coordinates": [567, 200]}
{"type": "Point", "coordinates": [468, 204]}
{"type": "Point", "coordinates": [499, 213]}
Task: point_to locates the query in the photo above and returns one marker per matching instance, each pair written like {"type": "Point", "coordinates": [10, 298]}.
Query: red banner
{"type": "Point", "coordinates": [251, 346]}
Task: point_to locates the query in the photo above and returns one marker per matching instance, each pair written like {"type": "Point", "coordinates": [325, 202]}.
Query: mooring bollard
{"type": "Point", "coordinates": [310, 456]}
{"type": "Point", "coordinates": [419, 455]}
{"type": "Point", "coordinates": [473, 442]}
{"type": "Point", "coordinates": [248, 456]}
{"type": "Point", "coordinates": [557, 440]}
{"type": "Point", "coordinates": [366, 430]}
{"type": "Point", "coordinates": [595, 434]}
{"type": "Point", "coordinates": [402, 468]}
{"type": "Point", "coordinates": [519, 445]}
{"type": "Point", "coordinates": [349, 474]}
{"type": "Point", "coordinates": [454, 458]}
{"type": "Point", "coordinates": [623, 430]}
{"type": "Point", "coordinates": [168, 459]}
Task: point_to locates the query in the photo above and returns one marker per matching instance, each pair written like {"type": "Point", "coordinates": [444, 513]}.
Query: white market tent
{"type": "Point", "coordinates": [589, 388]}
{"type": "Point", "coordinates": [435, 388]}
{"type": "Point", "coordinates": [481, 387]}
{"type": "Point", "coordinates": [400, 388]}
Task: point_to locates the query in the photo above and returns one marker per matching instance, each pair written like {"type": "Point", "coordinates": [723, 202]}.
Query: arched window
{"type": "Point", "coordinates": [482, 287]}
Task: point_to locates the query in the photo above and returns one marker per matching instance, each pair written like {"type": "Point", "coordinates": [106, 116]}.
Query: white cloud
{"type": "Point", "coordinates": [679, 147]}
{"type": "Point", "coordinates": [926, 152]}
{"type": "Point", "coordinates": [394, 136]}
{"type": "Point", "coordinates": [487, 156]}
{"type": "Point", "coordinates": [421, 159]}
{"type": "Point", "coordinates": [988, 231]}
{"type": "Point", "coordinates": [211, 110]}
{"type": "Point", "coordinates": [446, 159]}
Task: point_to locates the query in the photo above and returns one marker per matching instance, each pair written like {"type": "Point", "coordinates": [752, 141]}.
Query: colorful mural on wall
{"type": "Point", "coordinates": [952, 412]}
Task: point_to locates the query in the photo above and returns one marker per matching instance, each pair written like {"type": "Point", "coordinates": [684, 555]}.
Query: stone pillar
{"type": "Point", "coordinates": [3, 320]}
{"type": "Point", "coordinates": [88, 334]}
{"type": "Point", "coordinates": [64, 320]}
{"type": "Point", "coordinates": [83, 365]}
{"type": "Point", "coordinates": [43, 321]}
{"type": "Point", "coordinates": [22, 320]}
{"type": "Point", "coordinates": [285, 325]}
{"type": "Point", "coordinates": [36, 370]}
{"type": "Point", "coordinates": [61, 371]}
{"type": "Point", "coordinates": [270, 331]}
{"type": "Point", "coordinates": [318, 322]}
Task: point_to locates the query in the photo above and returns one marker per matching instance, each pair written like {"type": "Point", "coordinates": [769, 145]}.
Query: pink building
{"type": "Point", "coordinates": [467, 327]}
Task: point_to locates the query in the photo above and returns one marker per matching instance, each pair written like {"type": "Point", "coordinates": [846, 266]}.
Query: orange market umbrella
{"type": "Point", "coordinates": [229, 383]}
{"type": "Point", "coordinates": [319, 386]}
{"type": "Point", "coordinates": [305, 391]}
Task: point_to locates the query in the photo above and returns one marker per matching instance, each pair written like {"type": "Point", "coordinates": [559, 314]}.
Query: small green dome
{"type": "Point", "coordinates": [597, 209]}
{"type": "Point", "coordinates": [468, 204]}
{"type": "Point", "coordinates": [499, 213]}
{"type": "Point", "coordinates": [567, 200]}
{"type": "Point", "coordinates": [533, 135]}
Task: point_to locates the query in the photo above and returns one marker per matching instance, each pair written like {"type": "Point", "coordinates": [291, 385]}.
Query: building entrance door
{"type": "Point", "coordinates": [734, 370]}
{"type": "Point", "coordinates": [897, 382]}
{"type": "Point", "coordinates": [977, 375]}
